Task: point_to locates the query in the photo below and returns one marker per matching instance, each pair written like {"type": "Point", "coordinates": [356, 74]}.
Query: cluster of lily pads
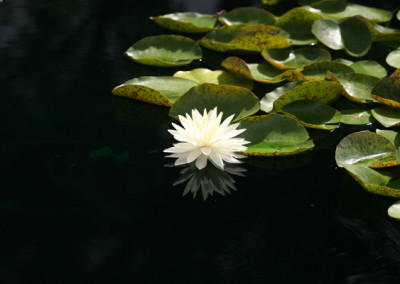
{"type": "Point", "coordinates": [322, 65]}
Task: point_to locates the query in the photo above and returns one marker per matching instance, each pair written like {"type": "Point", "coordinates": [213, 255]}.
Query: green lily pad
{"type": "Point", "coordinates": [380, 33]}
{"type": "Point", "coordinates": [356, 117]}
{"type": "Point", "coordinates": [336, 10]}
{"type": "Point", "coordinates": [367, 149]}
{"type": "Point", "coordinates": [267, 102]}
{"type": "Point", "coordinates": [343, 61]}
{"type": "Point", "coordinates": [274, 135]}
{"type": "Point", "coordinates": [229, 99]}
{"type": "Point", "coordinates": [297, 22]}
{"type": "Point", "coordinates": [313, 114]}
{"type": "Point", "coordinates": [260, 72]}
{"type": "Point", "coordinates": [351, 34]}
{"type": "Point", "coordinates": [322, 91]}
{"type": "Point", "coordinates": [387, 91]}
{"type": "Point", "coordinates": [162, 90]}
{"type": "Point", "coordinates": [369, 67]}
{"type": "Point", "coordinates": [394, 210]}
{"type": "Point", "coordinates": [393, 58]}
{"type": "Point", "coordinates": [392, 136]}
{"type": "Point", "coordinates": [398, 15]}
{"type": "Point", "coordinates": [357, 87]}
{"type": "Point", "coordinates": [387, 116]}
{"type": "Point", "coordinates": [203, 75]}
{"type": "Point", "coordinates": [187, 22]}
{"type": "Point", "coordinates": [248, 38]}
{"type": "Point", "coordinates": [289, 58]}
{"type": "Point", "coordinates": [164, 50]}
{"type": "Point", "coordinates": [247, 16]}
{"type": "Point", "coordinates": [374, 181]}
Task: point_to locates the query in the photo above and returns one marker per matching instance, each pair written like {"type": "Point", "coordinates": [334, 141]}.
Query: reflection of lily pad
{"type": "Point", "coordinates": [229, 99]}
{"type": "Point", "coordinates": [260, 72]}
{"type": "Point", "coordinates": [366, 149]}
{"type": "Point", "coordinates": [387, 116]}
{"type": "Point", "coordinates": [387, 91]}
{"type": "Point", "coordinates": [287, 58]}
{"type": "Point", "coordinates": [162, 90]}
{"type": "Point", "coordinates": [164, 50]}
{"type": "Point", "coordinates": [203, 75]}
{"type": "Point", "coordinates": [274, 135]}
{"type": "Point", "coordinates": [247, 16]}
{"type": "Point", "coordinates": [187, 22]}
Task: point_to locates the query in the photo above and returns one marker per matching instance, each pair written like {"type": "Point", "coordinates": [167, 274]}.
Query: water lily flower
{"type": "Point", "coordinates": [205, 138]}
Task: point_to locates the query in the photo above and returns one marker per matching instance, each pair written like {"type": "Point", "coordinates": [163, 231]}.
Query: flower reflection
{"type": "Point", "coordinates": [209, 179]}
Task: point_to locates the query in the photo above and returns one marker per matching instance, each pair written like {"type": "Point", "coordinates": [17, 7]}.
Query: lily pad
{"type": "Point", "coordinates": [203, 75]}
{"type": "Point", "coordinates": [369, 67]}
{"type": "Point", "coordinates": [394, 210]}
{"type": "Point", "coordinates": [316, 71]}
{"type": "Point", "coordinates": [313, 114]}
{"type": "Point", "coordinates": [380, 33]}
{"type": "Point", "coordinates": [387, 116]}
{"type": "Point", "coordinates": [374, 181]}
{"type": "Point", "coordinates": [387, 91]}
{"type": "Point", "coordinates": [229, 99]}
{"type": "Point", "coordinates": [260, 72]}
{"type": "Point", "coordinates": [356, 117]}
{"type": "Point", "coordinates": [392, 136]}
{"type": "Point", "coordinates": [187, 22]}
{"type": "Point", "coordinates": [351, 34]}
{"type": "Point", "coordinates": [247, 38]}
{"type": "Point", "coordinates": [297, 22]}
{"type": "Point", "coordinates": [162, 90]}
{"type": "Point", "coordinates": [393, 58]}
{"type": "Point", "coordinates": [164, 50]}
{"type": "Point", "coordinates": [289, 58]}
{"type": "Point", "coordinates": [336, 10]}
{"type": "Point", "coordinates": [247, 16]}
{"type": "Point", "coordinates": [274, 135]}
{"type": "Point", "coordinates": [367, 149]}
{"type": "Point", "coordinates": [267, 102]}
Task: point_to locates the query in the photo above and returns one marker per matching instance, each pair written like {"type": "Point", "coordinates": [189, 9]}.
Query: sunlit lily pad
{"type": "Point", "coordinates": [367, 149]}
{"type": "Point", "coordinates": [369, 67]}
{"type": "Point", "coordinates": [247, 16]}
{"type": "Point", "coordinates": [313, 114]}
{"type": "Point", "coordinates": [288, 58]}
{"type": "Point", "coordinates": [229, 99]}
{"type": "Point", "coordinates": [393, 58]}
{"type": "Point", "coordinates": [248, 38]}
{"type": "Point", "coordinates": [357, 87]}
{"type": "Point", "coordinates": [164, 50]}
{"type": "Point", "coordinates": [356, 117]}
{"type": "Point", "coordinates": [374, 181]}
{"type": "Point", "coordinates": [297, 22]}
{"type": "Point", "coordinates": [162, 90]}
{"type": "Point", "coordinates": [387, 116]}
{"type": "Point", "coordinates": [387, 91]}
{"type": "Point", "coordinates": [203, 75]}
{"type": "Point", "coordinates": [394, 210]}
{"type": "Point", "coordinates": [274, 135]}
{"type": "Point", "coordinates": [260, 72]}
{"type": "Point", "coordinates": [351, 34]}
{"type": "Point", "coordinates": [392, 136]}
{"type": "Point", "coordinates": [336, 10]}
{"type": "Point", "coordinates": [187, 22]}
{"type": "Point", "coordinates": [380, 33]}
{"type": "Point", "coordinates": [322, 91]}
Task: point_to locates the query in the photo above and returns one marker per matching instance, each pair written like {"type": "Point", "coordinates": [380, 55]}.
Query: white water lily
{"type": "Point", "coordinates": [205, 138]}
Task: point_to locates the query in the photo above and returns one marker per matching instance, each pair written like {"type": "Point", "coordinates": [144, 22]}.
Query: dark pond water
{"type": "Point", "coordinates": [86, 196]}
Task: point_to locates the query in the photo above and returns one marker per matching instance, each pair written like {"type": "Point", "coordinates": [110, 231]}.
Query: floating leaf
{"type": "Point", "coordinates": [387, 116]}
{"type": "Point", "coordinates": [297, 22]}
{"type": "Point", "coordinates": [387, 91]}
{"type": "Point", "coordinates": [374, 181]}
{"type": "Point", "coordinates": [203, 75]}
{"type": "Point", "coordinates": [351, 34]}
{"type": "Point", "coordinates": [369, 67]}
{"type": "Point", "coordinates": [393, 58]}
{"type": "Point", "coordinates": [187, 22]}
{"type": "Point", "coordinates": [356, 117]}
{"type": "Point", "coordinates": [164, 50]}
{"type": "Point", "coordinates": [322, 91]}
{"type": "Point", "coordinates": [274, 135]}
{"type": "Point", "coordinates": [263, 72]}
{"type": "Point", "coordinates": [288, 58]}
{"type": "Point", "coordinates": [247, 16]}
{"type": "Point", "coordinates": [313, 114]}
{"type": "Point", "coordinates": [319, 70]}
{"type": "Point", "coordinates": [336, 10]}
{"type": "Point", "coordinates": [229, 99]}
{"type": "Point", "coordinates": [380, 33]}
{"type": "Point", "coordinates": [392, 136]}
{"type": "Point", "coordinates": [367, 149]}
{"type": "Point", "coordinates": [162, 90]}
{"type": "Point", "coordinates": [249, 38]}
{"type": "Point", "coordinates": [394, 210]}
{"type": "Point", "coordinates": [267, 102]}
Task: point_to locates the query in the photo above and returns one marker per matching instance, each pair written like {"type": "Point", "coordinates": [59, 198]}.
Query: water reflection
{"type": "Point", "coordinates": [209, 180]}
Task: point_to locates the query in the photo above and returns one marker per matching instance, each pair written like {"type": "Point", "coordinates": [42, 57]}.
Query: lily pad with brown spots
{"type": "Point", "coordinates": [387, 91]}
{"type": "Point", "coordinates": [356, 117]}
{"type": "Point", "coordinates": [247, 16]}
